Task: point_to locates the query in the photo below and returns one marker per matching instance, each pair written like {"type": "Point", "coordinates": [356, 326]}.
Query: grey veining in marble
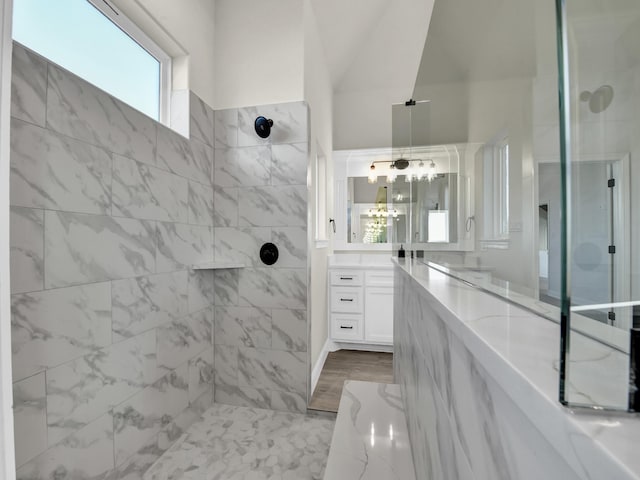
{"type": "Point", "coordinates": [27, 249]}
{"type": "Point", "coordinates": [243, 396]}
{"type": "Point", "coordinates": [91, 248]}
{"type": "Point", "coordinates": [272, 369]}
{"type": "Point", "coordinates": [86, 454]}
{"type": "Point", "coordinates": [225, 201]}
{"type": "Point", "coordinates": [183, 339]}
{"type": "Point", "coordinates": [371, 440]}
{"type": "Point", "coordinates": [144, 415]}
{"type": "Point", "coordinates": [181, 246]}
{"type": "Point", "coordinates": [56, 172]}
{"type": "Point", "coordinates": [226, 128]}
{"type": "Point", "coordinates": [201, 374]}
{"type": "Point", "coordinates": [189, 159]}
{"type": "Point", "coordinates": [292, 245]}
{"type": "Point", "coordinates": [289, 164]}
{"type": "Point", "coordinates": [225, 358]}
{"type": "Point", "coordinates": [273, 288]}
{"type": "Point", "coordinates": [30, 417]}
{"type": "Point", "coordinates": [242, 167]}
{"type": "Point", "coordinates": [200, 290]}
{"type": "Point", "coordinates": [239, 442]}
{"type": "Point", "coordinates": [28, 86]}
{"type": "Point", "coordinates": [81, 322]}
{"type": "Point", "coordinates": [146, 192]}
{"type": "Point", "coordinates": [226, 284]}
{"type": "Point", "coordinates": [289, 330]}
{"type": "Point", "coordinates": [200, 204]}
{"type": "Point", "coordinates": [142, 303]}
{"type": "Point", "coordinates": [273, 206]}
{"type": "Point", "coordinates": [79, 391]}
{"type": "Point", "coordinates": [201, 120]}
{"type": "Point", "coordinates": [241, 244]}
{"type": "Point", "coordinates": [80, 110]}
{"type": "Point", "coordinates": [243, 327]}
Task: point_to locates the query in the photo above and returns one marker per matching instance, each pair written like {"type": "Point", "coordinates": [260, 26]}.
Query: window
{"type": "Point", "coordinates": [98, 43]}
{"type": "Point", "coordinates": [496, 193]}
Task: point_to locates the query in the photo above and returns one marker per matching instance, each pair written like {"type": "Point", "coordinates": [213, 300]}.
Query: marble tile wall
{"type": "Point", "coordinates": [112, 333]}
{"type": "Point", "coordinates": [461, 423]}
{"type": "Point", "coordinates": [260, 195]}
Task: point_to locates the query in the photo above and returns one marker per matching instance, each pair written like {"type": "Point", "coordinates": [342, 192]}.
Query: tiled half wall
{"type": "Point", "coordinates": [116, 340]}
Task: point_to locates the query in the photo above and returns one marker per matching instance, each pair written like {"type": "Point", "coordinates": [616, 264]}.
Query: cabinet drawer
{"type": "Point", "coordinates": [379, 278]}
{"type": "Point", "coordinates": [346, 299]}
{"type": "Point", "coordinates": [346, 277]}
{"type": "Point", "coordinates": [346, 327]}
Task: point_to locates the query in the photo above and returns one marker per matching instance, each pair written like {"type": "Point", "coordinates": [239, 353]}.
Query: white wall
{"type": "Point", "coordinates": [318, 93]}
{"type": "Point", "coordinates": [259, 52]}
{"type": "Point", "coordinates": [185, 29]}
{"type": "Point", "coordinates": [7, 459]}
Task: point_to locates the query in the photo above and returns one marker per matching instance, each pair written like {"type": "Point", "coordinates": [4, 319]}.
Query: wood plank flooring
{"type": "Point", "coordinates": [349, 365]}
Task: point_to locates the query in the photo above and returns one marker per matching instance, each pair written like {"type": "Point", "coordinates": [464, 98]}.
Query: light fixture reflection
{"type": "Point", "coordinates": [373, 176]}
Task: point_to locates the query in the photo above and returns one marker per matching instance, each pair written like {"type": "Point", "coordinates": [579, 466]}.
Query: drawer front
{"type": "Point", "coordinates": [346, 327]}
{"type": "Point", "coordinates": [346, 277]}
{"type": "Point", "coordinates": [346, 299]}
{"type": "Point", "coordinates": [379, 278]}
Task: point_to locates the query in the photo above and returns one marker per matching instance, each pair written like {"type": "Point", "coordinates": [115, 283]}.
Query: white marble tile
{"type": "Point", "coordinates": [200, 204]}
{"type": "Point", "coordinates": [144, 415]}
{"type": "Point", "coordinates": [226, 365]}
{"type": "Point", "coordinates": [181, 340]}
{"type": "Point", "coordinates": [201, 374]}
{"type": "Point", "coordinates": [29, 418]}
{"type": "Point", "coordinates": [226, 284]}
{"type": "Point", "coordinates": [370, 439]}
{"type": "Point", "coordinates": [86, 454]}
{"type": "Point", "coordinates": [80, 391]}
{"type": "Point", "coordinates": [288, 402]}
{"type": "Point", "coordinates": [181, 246]}
{"type": "Point", "coordinates": [143, 303]}
{"type": "Point", "coordinates": [242, 166]}
{"type": "Point", "coordinates": [289, 164]}
{"type": "Point", "coordinates": [289, 330]}
{"type": "Point", "coordinates": [200, 290]}
{"type": "Point", "coordinates": [188, 158]}
{"type": "Point", "coordinates": [226, 128]}
{"type": "Point", "coordinates": [273, 288]}
{"type": "Point", "coordinates": [42, 339]}
{"type": "Point", "coordinates": [134, 467]}
{"type": "Point", "coordinates": [290, 124]}
{"type": "Point", "coordinates": [241, 244]}
{"type": "Point", "coordinates": [79, 110]}
{"type": "Point", "coordinates": [225, 203]}
{"type": "Point", "coordinates": [243, 327]}
{"type": "Point", "coordinates": [90, 248]}
{"type": "Point", "coordinates": [201, 120]}
{"type": "Point", "coordinates": [243, 396]}
{"type": "Point", "coordinates": [28, 86]}
{"type": "Point", "coordinates": [272, 369]}
{"type": "Point", "coordinates": [145, 192]}
{"type": "Point", "coordinates": [56, 172]}
{"type": "Point", "coordinates": [292, 243]}
{"type": "Point", "coordinates": [27, 249]}
{"type": "Point", "coordinates": [272, 206]}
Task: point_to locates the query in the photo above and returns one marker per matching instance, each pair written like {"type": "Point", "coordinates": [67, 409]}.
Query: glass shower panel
{"type": "Point", "coordinates": [601, 118]}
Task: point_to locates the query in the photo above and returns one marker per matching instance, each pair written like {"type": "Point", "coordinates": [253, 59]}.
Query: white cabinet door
{"type": "Point", "coordinates": [378, 315]}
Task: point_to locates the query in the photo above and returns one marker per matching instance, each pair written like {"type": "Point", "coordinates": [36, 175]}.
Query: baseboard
{"type": "Point", "coordinates": [317, 368]}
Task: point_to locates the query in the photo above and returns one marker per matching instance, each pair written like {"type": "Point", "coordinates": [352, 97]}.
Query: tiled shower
{"type": "Point", "coordinates": [118, 344]}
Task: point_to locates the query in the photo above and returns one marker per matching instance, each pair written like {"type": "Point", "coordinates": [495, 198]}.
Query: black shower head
{"type": "Point", "coordinates": [263, 127]}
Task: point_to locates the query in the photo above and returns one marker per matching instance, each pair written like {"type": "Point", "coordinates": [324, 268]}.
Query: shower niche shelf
{"type": "Point", "coordinates": [218, 266]}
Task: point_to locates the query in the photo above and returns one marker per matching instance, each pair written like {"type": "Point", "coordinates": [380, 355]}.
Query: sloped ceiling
{"type": "Point", "coordinates": [373, 44]}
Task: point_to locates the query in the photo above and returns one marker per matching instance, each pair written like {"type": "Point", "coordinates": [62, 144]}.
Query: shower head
{"type": "Point", "coordinates": [599, 100]}
{"type": "Point", "coordinates": [263, 127]}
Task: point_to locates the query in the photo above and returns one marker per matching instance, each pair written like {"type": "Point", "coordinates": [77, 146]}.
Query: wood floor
{"type": "Point", "coordinates": [349, 365]}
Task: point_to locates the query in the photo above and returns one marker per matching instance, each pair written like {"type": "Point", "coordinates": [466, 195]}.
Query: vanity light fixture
{"type": "Point", "coordinates": [373, 177]}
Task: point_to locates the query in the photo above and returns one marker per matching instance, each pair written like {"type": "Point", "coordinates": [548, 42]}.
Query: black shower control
{"type": "Point", "coordinates": [269, 253]}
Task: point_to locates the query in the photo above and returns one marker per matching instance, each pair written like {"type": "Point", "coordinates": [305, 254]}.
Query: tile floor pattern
{"type": "Point", "coordinates": [234, 443]}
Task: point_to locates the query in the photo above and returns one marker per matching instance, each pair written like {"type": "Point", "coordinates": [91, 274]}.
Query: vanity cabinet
{"type": "Point", "coordinates": [361, 305]}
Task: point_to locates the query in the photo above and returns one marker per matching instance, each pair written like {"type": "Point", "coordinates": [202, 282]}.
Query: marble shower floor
{"type": "Point", "coordinates": [234, 443]}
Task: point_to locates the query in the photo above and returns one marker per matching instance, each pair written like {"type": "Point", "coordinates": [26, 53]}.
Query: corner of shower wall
{"type": "Point", "coordinates": [261, 312]}
{"type": "Point", "coordinates": [111, 329]}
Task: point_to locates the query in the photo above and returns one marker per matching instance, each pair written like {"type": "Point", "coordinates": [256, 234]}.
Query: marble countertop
{"type": "Point", "coordinates": [370, 440]}
{"type": "Point", "coordinates": [521, 351]}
